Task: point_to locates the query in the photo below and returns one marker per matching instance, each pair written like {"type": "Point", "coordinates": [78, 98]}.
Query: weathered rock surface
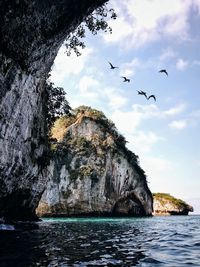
{"type": "Point", "coordinates": [164, 204]}
{"type": "Point", "coordinates": [93, 173]}
{"type": "Point", "coordinates": [31, 33]}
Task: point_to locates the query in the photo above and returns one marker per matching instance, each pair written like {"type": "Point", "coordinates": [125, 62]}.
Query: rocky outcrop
{"type": "Point", "coordinates": [92, 172]}
{"type": "Point", "coordinates": [31, 33]}
{"type": "Point", "coordinates": [165, 204]}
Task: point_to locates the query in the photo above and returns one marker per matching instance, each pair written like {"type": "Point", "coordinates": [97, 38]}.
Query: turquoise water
{"type": "Point", "coordinates": [155, 241]}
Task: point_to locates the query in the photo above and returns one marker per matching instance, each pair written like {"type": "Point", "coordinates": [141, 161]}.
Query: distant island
{"type": "Point", "coordinates": [165, 204]}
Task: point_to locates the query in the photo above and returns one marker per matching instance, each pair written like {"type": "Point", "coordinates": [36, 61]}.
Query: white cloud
{"type": "Point", "coordinates": [93, 92]}
{"type": "Point", "coordinates": [128, 69]}
{"type": "Point", "coordinates": [175, 110]}
{"type": "Point", "coordinates": [88, 86]}
{"type": "Point", "coordinates": [181, 64]}
{"type": "Point", "coordinates": [117, 101]}
{"type": "Point", "coordinates": [196, 4]}
{"type": "Point", "coordinates": [195, 113]}
{"type": "Point", "coordinates": [128, 121]}
{"type": "Point", "coordinates": [177, 25]}
{"type": "Point", "coordinates": [85, 93]}
{"type": "Point", "coordinates": [146, 111]}
{"type": "Point", "coordinates": [142, 142]}
{"type": "Point", "coordinates": [194, 118]}
{"type": "Point", "coordinates": [114, 97]}
{"type": "Point", "coordinates": [158, 171]}
{"type": "Point", "coordinates": [167, 54]}
{"type": "Point", "coordinates": [155, 166]}
{"type": "Point", "coordinates": [178, 124]}
{"type": "Point", "coordinates": [143, 21]}
{"type": "Point", "coordinates": [120, 29]}
{"type": "Point", "coordinates": [65, 65]}
{"type": "Point", "coordinates": [196, 62]}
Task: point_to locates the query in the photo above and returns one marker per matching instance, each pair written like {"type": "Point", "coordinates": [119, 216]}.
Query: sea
{"type": "Point", "coordinates": [172, 241]}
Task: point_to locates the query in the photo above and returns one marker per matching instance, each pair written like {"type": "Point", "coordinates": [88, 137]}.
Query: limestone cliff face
{"type": "Point", "coordinates": [165, 204]}
{"type": "Point", "coordinates": [94, 174]}
{"type": "Point", "coordinates": [31, 33]}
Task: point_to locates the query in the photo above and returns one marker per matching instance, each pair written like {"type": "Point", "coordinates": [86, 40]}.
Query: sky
{"type": "Point", "coordinates": [148, 35]}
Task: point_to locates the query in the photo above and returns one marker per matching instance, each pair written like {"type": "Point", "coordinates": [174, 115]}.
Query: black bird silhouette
{"type": "Point", "coordinates": [153, 96]}
{"type": "Point", "coordinates": [163, 71]}
{"type": "Point", "coordinates": [142, 93]}
{"type": "Point", "coordinates": [112, 67]}
{"type": "Point", "coordinates": [125, 79]}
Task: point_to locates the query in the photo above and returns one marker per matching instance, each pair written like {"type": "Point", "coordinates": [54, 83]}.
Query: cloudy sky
{"type": "Point", "coordinates": [148, 35]}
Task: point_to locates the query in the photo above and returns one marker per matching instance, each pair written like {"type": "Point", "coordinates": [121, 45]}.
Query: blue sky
{"type": "Point", "coordinates": [147, 36]}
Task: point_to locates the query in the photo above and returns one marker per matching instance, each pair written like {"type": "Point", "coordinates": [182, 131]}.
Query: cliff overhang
{"type": "Point", "coordinates": [31, 33]}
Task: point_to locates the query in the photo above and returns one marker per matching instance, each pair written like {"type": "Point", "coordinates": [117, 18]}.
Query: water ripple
{"type": "Point", "coordinates": [157, 241]}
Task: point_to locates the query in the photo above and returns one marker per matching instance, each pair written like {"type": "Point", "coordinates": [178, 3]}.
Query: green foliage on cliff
{"type": "Point", "coordinates": [59, 128]}
{"type": "Point", "coordinates": [102, 120]}
{"type": "Point", "coordinates": [62, 123]}
{"type": "Point", "coordinates": [84, 171]}
{"type": "Point", "coordinates": [93, 22]}
{"type": "Point", "coordinates": [82, 147]}
{"type": "Point", "coordinates": [96, 115]}
{"type": "Point", "coordinates": [164, 197]}
{"type": "Point", "coordinates": [56, 103]}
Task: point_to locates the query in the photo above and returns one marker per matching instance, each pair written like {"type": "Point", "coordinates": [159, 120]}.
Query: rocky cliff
{"type": "Point", "coordinates": [31, 33]}
{"type": "Point", "coordinates": [92, 171]}
{"type": "Point", "coordinates": [165, 204]}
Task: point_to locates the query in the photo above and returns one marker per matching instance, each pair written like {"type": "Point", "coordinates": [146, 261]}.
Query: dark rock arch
{"type": "Point", "coordinates": [31, 33]}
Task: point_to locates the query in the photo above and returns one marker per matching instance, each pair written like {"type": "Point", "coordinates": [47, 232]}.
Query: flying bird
{"type": "Point", "coordinates": [153, 96]}
{"type": "Point", "coordinates": [125, 79]}
{"type": "Point", "coordinates": [112, 67]}
{"type": "Point", "coordinates": [163, 71]}
{"type": "Point", "coordinates": [142, 93]}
